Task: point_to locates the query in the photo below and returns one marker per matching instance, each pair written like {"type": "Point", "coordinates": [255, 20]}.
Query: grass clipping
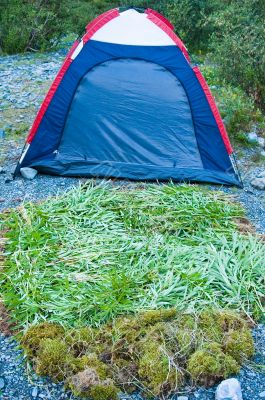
{"type": "Point", "coordinates": [98, 252]}
{"type": "Point", "coordinates": [155, 352]}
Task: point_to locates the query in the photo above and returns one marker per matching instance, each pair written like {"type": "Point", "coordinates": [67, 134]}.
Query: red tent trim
{"type": "Point", "coordinates": [160, 16]}
{"type": "Point", "coordinates": [214, 109]}
{"type": "Point", "coordinates": [162, 25]}
{"type": "Point", "coordinates": [51, 92]}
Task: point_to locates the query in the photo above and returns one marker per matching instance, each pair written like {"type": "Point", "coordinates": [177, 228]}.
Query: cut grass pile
{"type": "Point", "coordinates": [101, 251]}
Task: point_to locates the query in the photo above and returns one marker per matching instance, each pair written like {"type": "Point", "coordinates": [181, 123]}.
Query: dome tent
{"type": "Point", "coordinates": [127, 103]}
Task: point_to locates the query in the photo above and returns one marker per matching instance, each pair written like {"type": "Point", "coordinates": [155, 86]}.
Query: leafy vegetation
{"type": "Point", "coordinates": [31, 25]}
{"type": "Point", "coordinates": [238, 46]}
{"type": "Point", "coordinates": [238, 110]}
{"type": "Point", "coordinates": [156, 351]}
{"type": "Point", "coordinates": [99, 252]}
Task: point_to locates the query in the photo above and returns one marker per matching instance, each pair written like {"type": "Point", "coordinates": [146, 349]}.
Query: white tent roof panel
{"type": "Point", "coordinates": [133, 28]}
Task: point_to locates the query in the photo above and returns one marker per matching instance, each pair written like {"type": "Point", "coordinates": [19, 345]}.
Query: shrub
{"type": "Point", "coordinates": [191, 21]}
{"type": "Point", "coordinates": [238, 110]}
{"type": "Point", "coordinates": [238, 46]}
{"type": "Point", "coordinates": [31, 25]}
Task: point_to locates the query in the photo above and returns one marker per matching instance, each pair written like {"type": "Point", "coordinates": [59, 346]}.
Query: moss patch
{"type": "Point", "coordinates": [157, 351]}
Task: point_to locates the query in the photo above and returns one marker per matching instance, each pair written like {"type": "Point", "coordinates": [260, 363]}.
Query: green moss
{"type": "Point", "coordinates": [186, 340]}
{"type": "Point", "coordinates": [210, 364]}
{"type": "Point", "coordinates": [153, 316]}
{"type": "Point", "coordinates": [128, 328]}
{"type": "Point", "coordinates": [239, 344]}
{"type": "Point", "coordinates": [88, 384]}
{"type": "Point", "coordinates": [154, 349]}
{"type": "Point", "coordinates": [33, 337]}
{"type": "Point", "coordinates": [54, 360]}
{"type": "Point", "coordinates": [155, 370]}
{"type": "Point", "coordinates": [104, 391]}
{"type": "Point", "coordinates": [80, 340]}
{"type": "Point", "coordinates": [210, 329]}
{"type": "Point", "coordinates": [228, 320]}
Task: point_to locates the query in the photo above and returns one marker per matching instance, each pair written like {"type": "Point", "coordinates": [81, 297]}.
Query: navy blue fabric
{"type": "Point", "coordinates": [120, 114]}
{"type": "Point", "coordinates": [210, 144]}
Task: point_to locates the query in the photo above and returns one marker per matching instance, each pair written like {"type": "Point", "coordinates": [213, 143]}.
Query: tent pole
{"type": "Point", "coordinates": [233, 156]}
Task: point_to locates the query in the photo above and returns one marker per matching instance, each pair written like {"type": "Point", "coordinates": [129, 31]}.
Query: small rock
{"type": "Point", "coordinates": [252, 137]}
{"type": "Point", "coordinates": [258, 183]}
{"type": "Point", "coordinates": [34, 392]}
{"type": "Point", "coordinates": [2, 383]}
{"type": "Point", "coordinates": [28, 173]}
{"type": "Point", "coordinates": [262, 395]}
{"type": "Point", "coordinates": [182, 398]}
{"type": "Point", "coordinates": [229, 389]}
{"type": "Point", "coordinates": [261, 174]}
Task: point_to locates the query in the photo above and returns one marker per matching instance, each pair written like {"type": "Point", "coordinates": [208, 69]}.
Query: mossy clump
{"type": "Point", "coordinates": [153, 316]}
{"type": "Point", "coordinates": [157, 370]}
{"type": "Point", "coordinates": [157, 351]}
{"type": "Point", "coordinates": [104, 391]}
{"type": "Point", "coordinates": [89, 384]}
{"type": "Point", "coordinates": [79, 340]}
{"type": "Point", "coordinates": [33, 337]}
{"type": "Point", "coordinates": [54, 360]}
{"type": "Point", "coordinates": [210, 364]}
{"type": "Point", "coordinates": [239, 344]}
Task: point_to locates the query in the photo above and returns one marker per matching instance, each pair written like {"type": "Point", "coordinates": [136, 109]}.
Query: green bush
{"type": "Point", "coordinates": [238, 46]}
{"type": "Point", "coordinates": [31, 25]}
{"type": "Point", "coordinates": [191, 21]}
{"type": "Point", "coordinates": [237, 109]}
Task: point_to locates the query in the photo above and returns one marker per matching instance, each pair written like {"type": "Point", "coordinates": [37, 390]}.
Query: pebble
{"type": "Point", "coordinates": [28, 173]}
{"type": "Point", "coordinates": [229, 389]}
{"type": "Point", "coordinates": [262, 395]}
{"type": "Point", "coordinates": [34, 392]}
{"type": "Point", "coordinates": [2, 383]}
{"type": "Point", "coordinates": [258, 183]}
{"type": "Point", "coordinates": [252, 137]}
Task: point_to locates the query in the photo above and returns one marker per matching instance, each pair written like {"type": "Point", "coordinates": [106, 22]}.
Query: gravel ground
{"type": "Point", "coordinates": [24, 81]}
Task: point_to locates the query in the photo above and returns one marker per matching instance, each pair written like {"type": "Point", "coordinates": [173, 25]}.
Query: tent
{"type": "Point", "coordinates": [127, 103]}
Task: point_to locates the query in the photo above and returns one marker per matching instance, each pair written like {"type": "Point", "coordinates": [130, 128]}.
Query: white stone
{"type": "Point", "coordinates": [28, 173]}
{"type": "Point", "coordinates": [252, 137]}
{"type": "Point", "coordinates": [182, 398]}
{"type": "Point", "coordinates": [258, 183]}
{"type": "Point", "coordinates": [229, 389]}
{"type": "Point", "coordinates": [261, 174]}
{"type": "Point", "coordinates": [262, 395]}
